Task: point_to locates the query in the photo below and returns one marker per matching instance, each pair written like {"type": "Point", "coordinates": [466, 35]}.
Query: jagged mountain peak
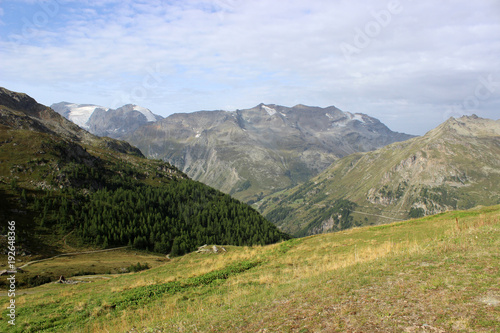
{"type": "Point", "coordinates": [144, 111]}
{"type": "Point", "coordinates": [309, 118]}
{"type": "Point", "coordinates": [299, 106]}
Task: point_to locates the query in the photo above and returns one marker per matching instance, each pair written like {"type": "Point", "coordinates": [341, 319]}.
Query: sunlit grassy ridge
{"type": "Point", "coordinates": [432, 274]}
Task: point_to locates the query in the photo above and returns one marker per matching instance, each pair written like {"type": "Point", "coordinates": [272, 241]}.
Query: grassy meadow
{"type": "Point", "coordinates": [434, 274]}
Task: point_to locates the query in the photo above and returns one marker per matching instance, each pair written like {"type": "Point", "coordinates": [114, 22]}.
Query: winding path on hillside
{"type": "Point", "coordinates": [385, 217]}
{"type": "Point", "coordinates": [73, 254]}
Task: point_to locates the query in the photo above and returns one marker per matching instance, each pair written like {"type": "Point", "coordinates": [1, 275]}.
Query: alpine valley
{"type": "Point", "coordinates": [313, 170]}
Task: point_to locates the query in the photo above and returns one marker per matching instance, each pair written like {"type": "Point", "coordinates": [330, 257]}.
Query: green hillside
{"type": "Point", "coordinates": [437, 274]}
{"type": "Point", "coordinates": [57, 179]}
{"type": "Point", "coordinates": [455, 166]}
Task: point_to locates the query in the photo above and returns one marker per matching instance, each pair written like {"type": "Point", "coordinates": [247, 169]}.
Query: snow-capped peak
{"type": "Point", "coordinates": [146, 112]}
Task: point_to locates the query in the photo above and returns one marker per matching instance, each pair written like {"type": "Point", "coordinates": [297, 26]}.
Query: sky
{"type": "Point", "coordinates": [411, 64]}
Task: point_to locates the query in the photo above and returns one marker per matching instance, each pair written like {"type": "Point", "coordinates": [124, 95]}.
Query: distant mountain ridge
{"type": "Point", "coordinates": [454, 166]}
{"type": "Point", "coordinates": [254, 152]}
{"type": "Point", "coordinates": [104, 121]}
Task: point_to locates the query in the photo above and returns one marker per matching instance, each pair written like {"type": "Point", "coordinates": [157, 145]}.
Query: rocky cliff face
{"type": "Point", "coordinates": [254, 152]}
{"type": "Point", "coordinates": [455, 166]}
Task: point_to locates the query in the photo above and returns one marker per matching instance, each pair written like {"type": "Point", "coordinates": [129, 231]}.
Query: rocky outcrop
{"type": "Point", "coordinates": [205, 249]}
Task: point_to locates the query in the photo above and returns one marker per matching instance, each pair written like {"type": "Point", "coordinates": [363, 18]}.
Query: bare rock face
{"type": "Point", "coordinates": [254, 152]}
{"type": "Point", "coordinates": [119, 122]}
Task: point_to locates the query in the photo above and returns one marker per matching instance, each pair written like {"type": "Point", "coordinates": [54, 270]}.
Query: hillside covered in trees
{"type": "Point", "coordinates": [56, 178]}
{"type": "Point", "coordinates": [174, 219]}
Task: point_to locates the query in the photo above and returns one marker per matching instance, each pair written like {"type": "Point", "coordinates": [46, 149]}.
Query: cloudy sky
{"type": "Point", "coordinates": [411, 64]}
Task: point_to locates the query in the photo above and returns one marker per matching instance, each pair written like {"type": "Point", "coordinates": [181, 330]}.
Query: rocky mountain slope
{"type": "Point", "coordinates": [104, 121]}
{"type": "Point", "coordinates": [20, 111]}
{"type": "Point", "coordinates": [454, 166]}
{"type": "Point", "coordinates": [254, 152]}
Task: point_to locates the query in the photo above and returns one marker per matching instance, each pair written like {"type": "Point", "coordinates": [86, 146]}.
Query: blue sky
{"type": "Point", "coordinates": [411, 64]}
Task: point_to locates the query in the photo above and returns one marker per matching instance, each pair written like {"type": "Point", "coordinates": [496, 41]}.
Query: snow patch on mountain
{"type": "Point", "coordinates": [340, 123]}
{"type": "Point", "coordinates": [269, 110]}
{"type": "Point", "coordinates": [146, 112]}
{"type": "Point", "coordinates": [356, 116]}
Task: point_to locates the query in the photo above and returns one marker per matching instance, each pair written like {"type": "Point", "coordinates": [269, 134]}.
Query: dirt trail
{"type": "Point", "coordinates": [73, 254]}
{"type": "Point", "coordinates": [64, 239]}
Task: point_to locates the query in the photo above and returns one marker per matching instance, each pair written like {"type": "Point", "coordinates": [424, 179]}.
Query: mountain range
{"type": "Point", "coordinates": [21, 112]}
{"type": "Point", "coordinates": [248, 153]}
{"type": "Point", "coordinates": [454, 166]}
{"type": "Point", "coordinates": [313, 170]}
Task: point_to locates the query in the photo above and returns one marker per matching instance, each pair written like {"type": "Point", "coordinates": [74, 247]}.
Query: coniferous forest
{"type": "Point", "coordinates": [176, 217]}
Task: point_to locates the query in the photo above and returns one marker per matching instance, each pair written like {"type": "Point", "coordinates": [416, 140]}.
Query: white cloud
{"type": "Point", "coordinates": [211, 54]}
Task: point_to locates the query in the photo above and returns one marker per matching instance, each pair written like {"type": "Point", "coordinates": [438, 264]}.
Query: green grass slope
{"type": "Point", "coordinates": [455, 166]}
{"type": "Point", "coordinates": [438, 273]}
